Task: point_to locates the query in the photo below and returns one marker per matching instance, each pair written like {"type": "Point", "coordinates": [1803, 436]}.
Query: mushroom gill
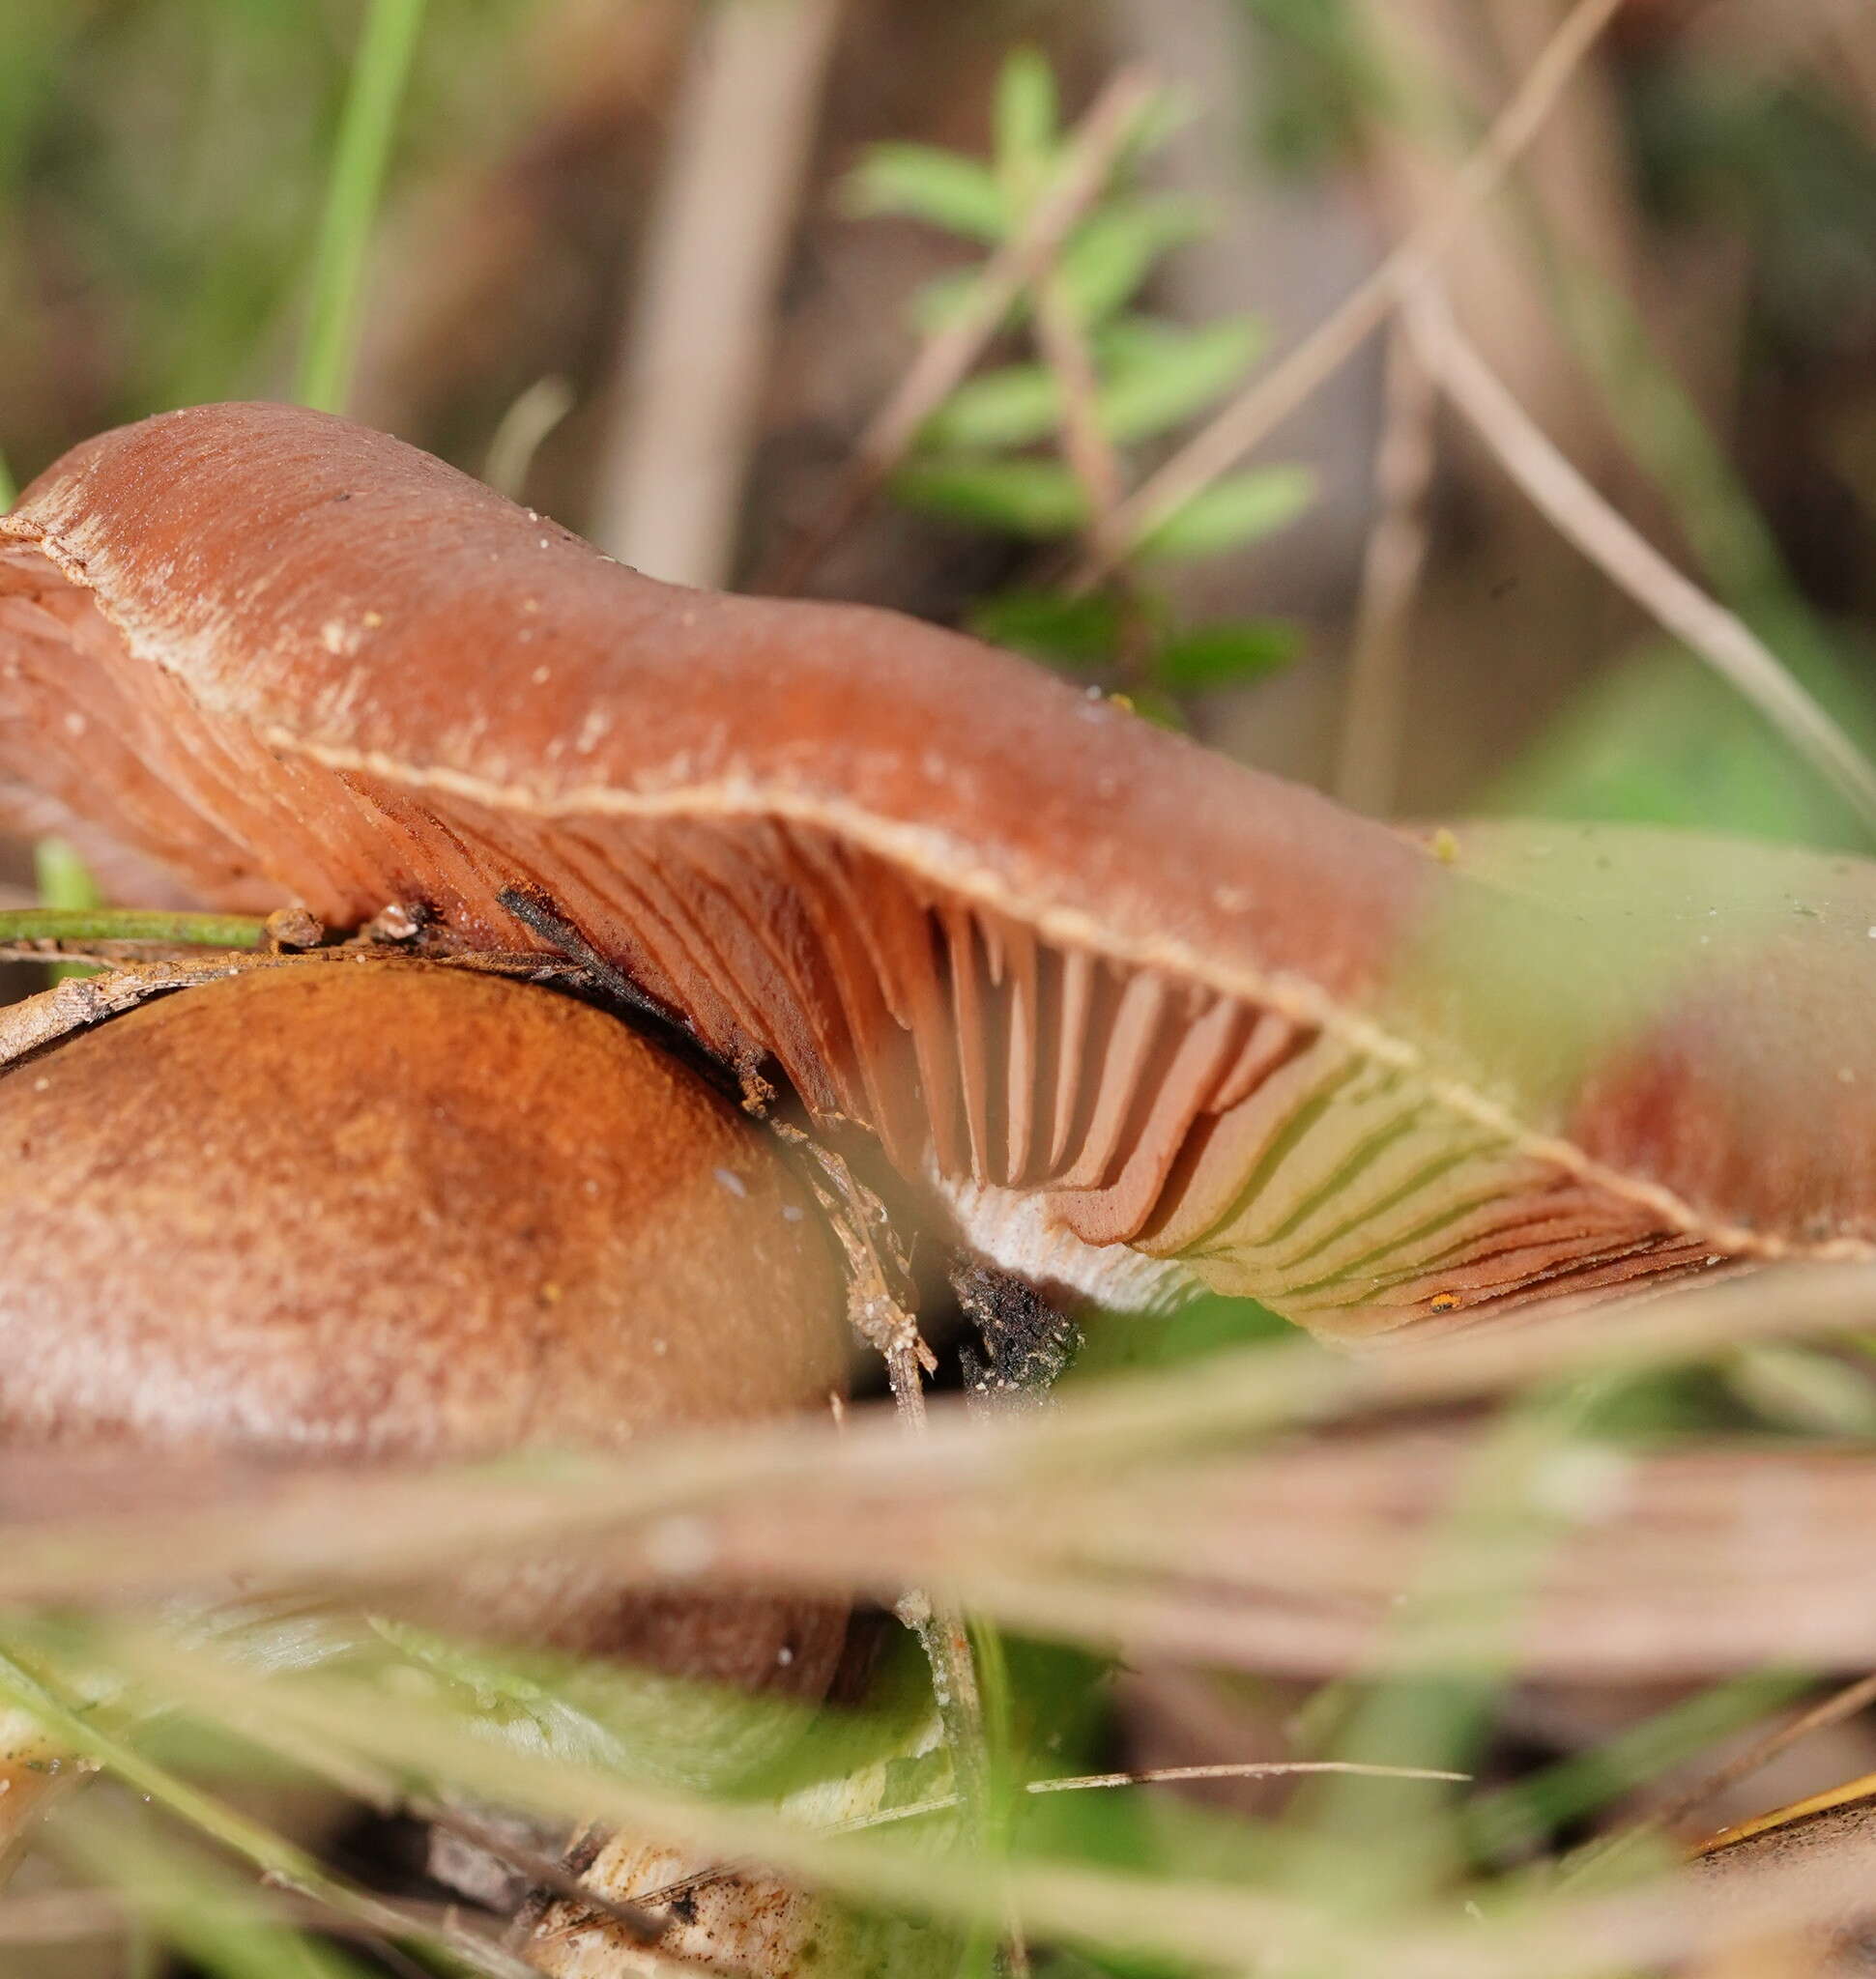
{"type": "Point", "coordinates": [1118, 999]}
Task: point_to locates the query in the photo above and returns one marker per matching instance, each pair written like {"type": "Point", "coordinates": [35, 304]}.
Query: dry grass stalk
{"type": "Point", "coordinates": [1609, 1565]}
{"type": "Point", "coordinates": [1580, 513]}
{"type": "Point", "coordinates": [948, 353]}
{"type": "Point", "coordinates": [1618, 1564]}
{"type": "Point", "coordinates": [1274, 394]}
{"type": "Point", "coordinates": [80, 1533]}
{"type": "Point", "coordinates": [1834, 1709]}
{"type": "Point", "coordinates": [1089, 452]}
{"type": "Point", "coordinates": [1367, 773]}
{"type": "Point", "coordinates": [697, 345]}
{"type": "Point", "coordinates": [1158, 1776]}
{"type": "Point", "coordinates": [82, 1001]}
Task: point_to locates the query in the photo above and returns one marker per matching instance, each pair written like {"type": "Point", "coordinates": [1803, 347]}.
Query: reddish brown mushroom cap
{"type": "Point", "coordinates": [365, 1210]}
{"type": "Point", "coordinates": [1088, 975]}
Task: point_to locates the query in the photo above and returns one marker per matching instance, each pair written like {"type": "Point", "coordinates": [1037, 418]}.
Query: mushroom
{"type": "Point", "coordinates": [1134, 1017]}
{"type": "Point", "coordinates": [367, 1210]}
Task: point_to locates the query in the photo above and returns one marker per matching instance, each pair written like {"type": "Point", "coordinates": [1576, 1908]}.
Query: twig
{"type": "Point", "coordinates": [950, 351]}
{"type": "Point", "coordinates": [1580, 513]}
{"type": "Point", "coordinates": [1830, 1711]}
{"type": "Point", "coordinates": [1065, 351]}
{"type": "Point", "coordinates": [1155, 1776]}
{"type": "Point", "coordinates": [77, 957]}
{"type": "Point", "coordinates": [1090, 453]}
{"type": "Point", "coordinates": [1305, 365]}
{"type": "Point", "coordinates": [1246, 1769]}
{"type": "Point", "coordinates": [535, 911]}
{"type": "Point", "coordinates": [1367, 774]}
{"type": "Point", "coordinates": [37, 1021]}
{"type": "Point", "coordinates": [697, 345]}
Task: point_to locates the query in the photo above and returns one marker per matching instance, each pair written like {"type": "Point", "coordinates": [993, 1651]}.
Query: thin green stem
{"type": "Point", "coordinates": [130, 924]}
{"type": "Point", "coordinates": [9, 487]}
{"type": "Point", "coordinates": [379, 73]}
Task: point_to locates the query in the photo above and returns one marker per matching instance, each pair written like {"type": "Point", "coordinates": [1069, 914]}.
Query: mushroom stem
{"type": "Point", "coordinates": [879, 1295]}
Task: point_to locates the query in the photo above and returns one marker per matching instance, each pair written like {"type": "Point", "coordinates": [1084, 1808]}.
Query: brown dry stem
{"type": "Point", "coordinates": [1727, 645]}
{"type": "Point", "coordinates": [948, 353]}
{"type": "Point", "coordinates": [80, 1002]}
{"type": "Point", "coordinates": [1278, 393]}
{"type": "Point", "coordinates": [697, 345]}
{"type": "Point", "coordinates": [1368, 771]}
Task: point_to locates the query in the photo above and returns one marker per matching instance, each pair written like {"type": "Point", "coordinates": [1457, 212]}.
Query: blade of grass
{"type": "Point", "coordinates": [70, 920]}
{"type": "Point", "coordinates": [66, 888]}
{"type": "Point", "coordinates": [1370, 745]}
{"type": "Point", "coordinates": [1528, 1813]}
{"type": "Point", "coordinates": [673, 467]}
{"type": "Point", "coordinates": [382, 69]}
{"type": "Point", "coordinates": [168, 1892]}
{"type": "Point", "coordinates": [994, 1816]}
{"type": "Point", "coordinates": [278, 1859]}
{"type": "Point", "coordinates": [1202, 1920]}
{"type": "Point", "coordinates": [1531, 1934]}
{"type": "Point", "coordinates": [1590, 1863]}
{"type": "Point", "coordinates": [1441, 1714]}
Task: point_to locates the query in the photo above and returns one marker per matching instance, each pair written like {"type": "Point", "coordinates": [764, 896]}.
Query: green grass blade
{"type": "Point", "coordinates": [379, 76]}
{"type": "Point", "coordinates": [64, 879]}
{"type": "Point", "coordinates": [174, 1896]}
{"type": "Point", "coordinates": [66, 887]}
{"type": "Point", "coordinates": [130, 924]}
{"type": "Point", "coordinates": [1525, 1816]}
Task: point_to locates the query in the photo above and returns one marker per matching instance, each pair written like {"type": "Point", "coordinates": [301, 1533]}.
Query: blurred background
{"type": "Point", "coordinates": [659, 268]}
{"type": "Point", "coordinates": [626, 246]}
